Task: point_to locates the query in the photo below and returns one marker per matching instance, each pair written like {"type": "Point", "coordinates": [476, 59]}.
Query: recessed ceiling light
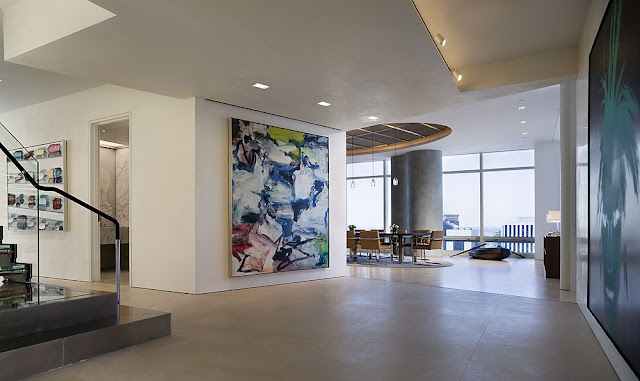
{"type": "Point", "coordinates": [261, 86]}
{"type": "Point", "coordinates": [523, 122]}
{"type": "Point", "coordinates": [104, 130]}
{"type": "Point", "coordinates": [521, 108]}
{"type": "Point", "coordinates": [524, 134]}
{"type": "Point", "coordinates": [372, 117]}
{"type": "Point", "coordinates": [440, 40]}
{"type": "Point", "coordinates": [457, 75]}
{"type": "Point", "coordinates": [325, 104]}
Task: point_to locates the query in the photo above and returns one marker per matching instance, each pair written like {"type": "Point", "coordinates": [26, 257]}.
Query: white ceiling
{"type": "Point", "coordinates": [23, 86]}
{"type": "Point", "coordinates": [493, 125]}
{"type": "Point", "coordinates": [116, 132]}
{"type": "Point", "coordinates": [480, 32]}
{"type": "Point", "coordinates": [365, 57]}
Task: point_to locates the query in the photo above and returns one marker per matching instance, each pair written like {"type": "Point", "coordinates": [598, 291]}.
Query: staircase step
{"type": "Point", "coordinates": [27, 355]}
{"type": "Point", "coordinates": [33, 308]}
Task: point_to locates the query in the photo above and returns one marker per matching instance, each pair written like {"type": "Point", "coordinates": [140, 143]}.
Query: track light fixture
{"type": "Point", "coordinates": [457, 75]}
{"type": "Point", "coordinates": [440, 40]}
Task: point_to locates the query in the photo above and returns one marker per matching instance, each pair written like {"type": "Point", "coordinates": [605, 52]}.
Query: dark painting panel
{"type": "Point", "coordinates": [614, 178]}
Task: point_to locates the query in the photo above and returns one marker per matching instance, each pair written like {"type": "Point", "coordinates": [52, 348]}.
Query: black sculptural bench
{"type": "Point", "coordinates": [490, 253]}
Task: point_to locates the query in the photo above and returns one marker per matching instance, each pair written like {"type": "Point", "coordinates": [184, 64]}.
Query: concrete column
{"type": "Point", "coordinates": [400, 193]}
{"type": "Point", "coordinates": [418, 196]}
{"type": "Point", "coordinates": [567, 185]}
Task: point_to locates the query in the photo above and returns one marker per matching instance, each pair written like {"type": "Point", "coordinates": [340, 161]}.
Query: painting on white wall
{"type": "Point", "coordinates": [25, 204]}
{"type": "Point", "coordinates": [280, 199]}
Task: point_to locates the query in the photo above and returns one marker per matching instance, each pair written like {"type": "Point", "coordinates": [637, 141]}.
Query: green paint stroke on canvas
{"type": "Point", "coordinates": [322, 245]}
{"type": "Point", "coordinates": [281, 135]}
{"type": "Point", "coordinates": [618, 166]}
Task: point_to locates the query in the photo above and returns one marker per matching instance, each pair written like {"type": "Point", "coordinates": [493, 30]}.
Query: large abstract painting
{"type": "Point", "coordinates": [614, 178]}
{"type": "Point", "coordinates": [279, 199]}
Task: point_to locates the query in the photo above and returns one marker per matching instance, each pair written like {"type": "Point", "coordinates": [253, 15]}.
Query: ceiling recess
{"type": "Point", "coordinates": [387, 137]}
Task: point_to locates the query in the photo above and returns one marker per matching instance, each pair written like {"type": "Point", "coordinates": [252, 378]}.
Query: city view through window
{"type": "Point", "coordinates": [502, 182]}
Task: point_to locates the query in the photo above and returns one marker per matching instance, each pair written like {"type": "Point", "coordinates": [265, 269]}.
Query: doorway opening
{"type": "Point", "coordinates": [113, 183]}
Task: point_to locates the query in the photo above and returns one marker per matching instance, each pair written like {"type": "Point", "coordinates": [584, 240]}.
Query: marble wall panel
{"type": "Point", "coordinates": [122, 186]}
{"type": "Point", "coordinates": [107, 193]}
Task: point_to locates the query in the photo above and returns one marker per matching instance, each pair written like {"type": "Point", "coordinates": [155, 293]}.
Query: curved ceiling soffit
{"type": "Point", "coordinates": [393, 136]}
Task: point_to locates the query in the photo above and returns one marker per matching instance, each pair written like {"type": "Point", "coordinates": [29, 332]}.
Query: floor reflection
{"type": "Point", "coordinates": [512, 276]}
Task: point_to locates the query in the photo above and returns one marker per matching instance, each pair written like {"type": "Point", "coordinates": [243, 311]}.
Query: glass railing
{"type": "Point", "coordinates": [35, 201]}
{"type": "Point", "coordinates": [20, 244]}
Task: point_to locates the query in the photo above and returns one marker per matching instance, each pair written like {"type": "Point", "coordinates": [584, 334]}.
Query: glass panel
{"type": "Point", "coordinates": [365, 169]}
{"type": "Point", "coordinates": [518, 247]}
{"type": "Point", "coordinates": [19, 251]}
{"type": "Point", "coordinates": [461, 162]}
{"type": "Point", "coordinates": [509, 203]}
{"type": "Point", "coordinates": [460, 245]}
{"type": "Point", "coordinates": [461, 206]}
{"type": "Point", "coordinates": [388, 165]}
{"type": "Point", "coordinates": [508, 159]}
{"type": "Point", "coordinates": [365, 204]}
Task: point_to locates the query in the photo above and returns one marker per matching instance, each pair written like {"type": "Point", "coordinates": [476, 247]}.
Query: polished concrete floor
{"type": "Point", "coordinates": [512, 276]}
{"type": "Point", "coordinates": [352, 328]}
{"type": "Point", "coordinates": [109, 276]}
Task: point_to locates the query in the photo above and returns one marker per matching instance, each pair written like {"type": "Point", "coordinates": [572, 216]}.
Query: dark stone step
{"type": "Point", "coordinates": [31, 308]}
{"type": "Point", "coordinates": [27, 355]}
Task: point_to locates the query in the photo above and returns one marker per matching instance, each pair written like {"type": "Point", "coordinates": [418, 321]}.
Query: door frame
{"type": "Point", "coordinates": [94, 190]}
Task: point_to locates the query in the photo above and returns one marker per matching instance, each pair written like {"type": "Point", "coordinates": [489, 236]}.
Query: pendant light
{"type": "Point", "coordinates": [353, 182]}
{"type": "Point", "coordinates": [373, 180]}
{"type": "Point", "coordinates": [394, 181]}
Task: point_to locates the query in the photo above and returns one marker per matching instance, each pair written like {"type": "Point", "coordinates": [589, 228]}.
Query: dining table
{"type": "Point", "coordinates": [397, 241]}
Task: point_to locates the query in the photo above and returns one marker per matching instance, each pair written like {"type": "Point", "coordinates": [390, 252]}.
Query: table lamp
{"type": "Point", "coordinates": [553, 216]}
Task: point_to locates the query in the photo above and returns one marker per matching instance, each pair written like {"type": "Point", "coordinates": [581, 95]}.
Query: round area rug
{"type": "Point", "coordinates": [407, 264]}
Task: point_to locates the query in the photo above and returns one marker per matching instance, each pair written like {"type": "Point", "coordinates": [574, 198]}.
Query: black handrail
{"type": "Point", "coordinates": [97, 211]}
{"type": "Point", "coordinates": [59, 191]}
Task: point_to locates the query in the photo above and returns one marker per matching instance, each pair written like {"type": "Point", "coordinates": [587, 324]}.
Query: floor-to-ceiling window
{"type": "Point", "coordinates": [368, 190]}
{"type": "Point", "coordinates": [489, 197]}
{"type": "Point", "coordinates": [486, 196]}
{"type": "Point", "coordinates": [461, 199]}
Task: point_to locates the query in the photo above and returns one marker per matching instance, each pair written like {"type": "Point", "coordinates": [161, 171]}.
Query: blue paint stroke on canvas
{"type": "Point", "coordinates": [280, 199]}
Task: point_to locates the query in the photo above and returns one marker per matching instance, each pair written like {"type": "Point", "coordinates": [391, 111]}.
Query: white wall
{"type": "Point", "coordinates": [179, 222]}
{"type": "Point", "coordinates": [594, 17]}
{"type": "Point", "coordinates": [547, 169]}
{"type": "Point", "coordinates": [212, 199]}
{"type": "Point", "coordinates": [162, 186]}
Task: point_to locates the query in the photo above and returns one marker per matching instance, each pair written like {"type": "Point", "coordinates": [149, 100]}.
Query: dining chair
{"type": "Point", "coordinates": [435, 243]}
{"type": "Point", "coordinates": [422, 239]}
{"type": "Point", "coordinates": [370, 241]}
{"type": "Point", "coordinates": [352, 244]}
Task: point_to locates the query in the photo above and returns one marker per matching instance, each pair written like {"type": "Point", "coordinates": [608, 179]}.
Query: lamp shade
{"type": "Point", "coordinates": [553, 216]}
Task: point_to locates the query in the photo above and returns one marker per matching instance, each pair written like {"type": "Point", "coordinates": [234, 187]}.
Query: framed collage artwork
{"type": "Point", "coordinates": [28, 208]}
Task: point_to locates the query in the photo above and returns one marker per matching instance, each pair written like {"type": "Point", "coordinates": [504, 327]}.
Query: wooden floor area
{"type": "Point", "coordinates": [512, 276]}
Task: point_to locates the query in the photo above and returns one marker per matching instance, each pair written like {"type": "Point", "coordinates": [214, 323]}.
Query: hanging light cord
{"type": "Point", "coordinates": [353, 182]}
{"type": "Point", "coordinates": [394, 181]}
{"type": "Point", "coordinates": [373, 172]}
